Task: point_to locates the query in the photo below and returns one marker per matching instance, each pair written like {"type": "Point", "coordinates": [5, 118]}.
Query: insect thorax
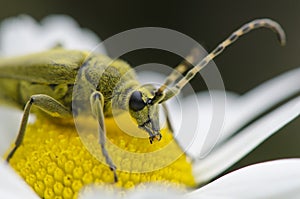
{"type": "Point", "coordinates": [114, 79]}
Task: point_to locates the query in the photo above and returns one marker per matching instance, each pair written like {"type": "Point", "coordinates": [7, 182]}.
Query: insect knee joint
{"type": "Point", "coordinates": [31, 100]}
{"type": "Point", "coordinates": [96, 96]}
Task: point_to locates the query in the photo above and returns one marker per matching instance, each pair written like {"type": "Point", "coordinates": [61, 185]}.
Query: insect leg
{"type": "Point", "coordinates": [97, 103]}
{"type": "Point", "coordinates": [266, 23]}
{"type": "Point", "coordinates": [45, 103]}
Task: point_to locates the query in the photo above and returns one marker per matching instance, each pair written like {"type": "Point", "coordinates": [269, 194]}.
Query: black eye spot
{"type": "Point", "coordinates": [136, 102]}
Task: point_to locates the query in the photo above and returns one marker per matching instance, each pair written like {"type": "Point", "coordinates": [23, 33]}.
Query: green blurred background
{"type": "Point", "coordinates": [252, 60]}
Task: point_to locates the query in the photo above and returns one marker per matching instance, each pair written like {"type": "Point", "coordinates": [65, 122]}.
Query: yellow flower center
{"type": "Point", "coordinates": [55, 163]}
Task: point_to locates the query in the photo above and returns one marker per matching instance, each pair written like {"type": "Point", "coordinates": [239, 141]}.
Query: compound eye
{"type": "Point", "coordinates": [136, 102]}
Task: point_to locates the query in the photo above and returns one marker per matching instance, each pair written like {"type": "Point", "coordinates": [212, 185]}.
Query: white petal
{"type": "Point", "coordinates": [197, 114]}
{"type": "Point", "coordinates": [145, 191]}
{"type": "Point", "coordinates": [239, 111]}
{"type": "Point", "coordinates": [260, 99]}
{"type": "Point", "coordinates": [99, 192]}
{"type": "Point", "coordinates": [22, 35]}
{"type": "Point", "coordinates": [237, 147]}
{"type": "Point", "coordinates": [12, 186]}
{"type": "Point", "coordinates": [155, 191]}
{"type": "Point", "coordinates": [69, 34]}
{"type": "Point", "coordinates": [9, 126]}
{"type": "Point", "coordinates": [274, 179]}
{"type": "Point", "coordinates": [10, 120]}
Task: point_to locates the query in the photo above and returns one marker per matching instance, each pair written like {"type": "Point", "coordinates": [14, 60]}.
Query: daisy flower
{"type": "Point", "coordinates": [52, 161]}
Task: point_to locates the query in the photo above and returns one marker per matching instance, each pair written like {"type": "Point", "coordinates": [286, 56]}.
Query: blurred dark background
{"type": "Point", "coordinates": [252, 60]}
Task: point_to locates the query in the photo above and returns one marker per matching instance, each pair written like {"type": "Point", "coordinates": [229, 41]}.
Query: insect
{"type": "Point", "coordinates": [46, 81]}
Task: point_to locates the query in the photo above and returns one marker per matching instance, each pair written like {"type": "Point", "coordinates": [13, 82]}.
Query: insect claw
{"type": "Point", "coordinates": [113, 169]}
{"type": "Point", "coordinates": [151, 138]}
{"type": "Point", "coordinates": [115, 178]}
{"type": "Point", "coordinates": [154, 137]}
{"type": "Point", "coordinates": [159, 136]}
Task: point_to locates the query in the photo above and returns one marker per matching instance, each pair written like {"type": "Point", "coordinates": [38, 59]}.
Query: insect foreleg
{"type": "Point", "coordinates": [97, 103]}
{"type": "Point", "coordinates": [45, 103]}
